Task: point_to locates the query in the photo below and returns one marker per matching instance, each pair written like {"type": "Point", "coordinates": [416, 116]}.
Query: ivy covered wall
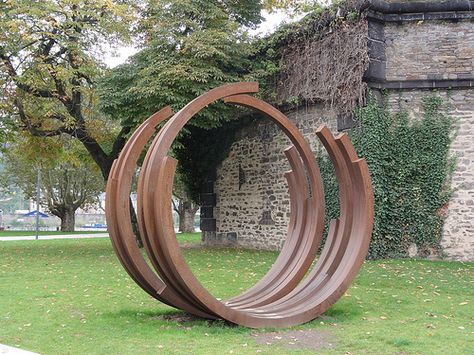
{"type": "Point", "coordinates": [424, 201]}
{"type": "Point", "coordinates": [408, 157]}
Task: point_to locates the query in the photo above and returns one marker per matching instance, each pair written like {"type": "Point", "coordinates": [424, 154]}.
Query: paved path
{"type": "Point", "coordinates": [9, 350]}
{"type": "Point", "coordinates": [57, 236]}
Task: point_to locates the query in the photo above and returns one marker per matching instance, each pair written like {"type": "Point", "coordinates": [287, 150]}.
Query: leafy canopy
{"type": "Point", "coordinates": [190, 47]}
{"type": "Point", "coordinates": [70, 179]}
{"type": "Point", "coordinates": [50, 61]}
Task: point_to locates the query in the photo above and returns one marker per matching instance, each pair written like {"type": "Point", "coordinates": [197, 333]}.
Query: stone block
{"type": "Point", "coordinates": [208, 224]}
{"type": "Point", "coordinates": [208, 199]}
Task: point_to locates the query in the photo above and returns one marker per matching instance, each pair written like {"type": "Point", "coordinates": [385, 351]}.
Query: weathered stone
{"type": "Point", "coordinates": [241, 210]}
{"type": "Point", "coordinates": [457, 241]}
{"type": "Point", "coordinates": [414, 50]}
{"type": "Point", "coordinates": [408, 54]}
{"type": "Point", "coordinates": [412, 250]}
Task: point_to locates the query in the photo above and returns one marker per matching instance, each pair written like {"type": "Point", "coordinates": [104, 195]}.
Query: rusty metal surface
{"type": "Point", "coordinates": [290, 293]}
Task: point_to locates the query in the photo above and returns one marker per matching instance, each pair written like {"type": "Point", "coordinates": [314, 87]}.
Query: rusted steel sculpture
{"type": "Point", "coordinates": [284, 296]}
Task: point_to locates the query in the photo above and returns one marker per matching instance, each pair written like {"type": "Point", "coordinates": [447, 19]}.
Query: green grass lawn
{"type": "Point", "coordinates": [9, 233]}
{"type": "Point", "coordinates": [73, 296]}
{"type": "Point", "coordinates": [189, 238]}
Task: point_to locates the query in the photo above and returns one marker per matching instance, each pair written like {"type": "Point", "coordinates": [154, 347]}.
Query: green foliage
{"type": "Point", "coordinates": [49, 53]}
{"type": "Point", "coordinates": [50, 60]}
{"type": "Point", "coordinates": [190, 47]}
{"type": "Point", "coordinates": [69, 177]}
{"type": "Point", "coordinates": [331, 188]}
{"type": "Point", "coordinates": [7, 126]}
{"type": "Point", "coordinates": [410, 165]}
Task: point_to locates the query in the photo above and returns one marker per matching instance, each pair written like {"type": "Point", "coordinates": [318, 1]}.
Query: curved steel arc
{"type": "Point", "coordinates": [165, 236]}
{"type": "Point", "coordinates": [147, 230]}
{"type": "Point", "coordinates": [119, 219]}
{"type": "Point", "coordinates": [300, 261]}
{"type": "Point", "coordinates": [298, 194]}
{"type": "Point", "coordinates": [306, 297]}
{"type": "Point", "coordinates": [284, 296]}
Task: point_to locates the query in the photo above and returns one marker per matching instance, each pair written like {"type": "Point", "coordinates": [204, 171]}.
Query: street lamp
{"type": "Point", "coordinates": [38, 184]}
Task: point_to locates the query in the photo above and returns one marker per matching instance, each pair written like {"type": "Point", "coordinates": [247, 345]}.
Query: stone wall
{"type": "Point", "coordinates": [252, 200]}
{"type": "Point", "coordinates": [429, 50]}
{"type": "Point", "coordinates": [411, 55]}
{"type": "Point", "coordinates": [458, 238]}
{"type": "Point", "coordinates": [439, 54]}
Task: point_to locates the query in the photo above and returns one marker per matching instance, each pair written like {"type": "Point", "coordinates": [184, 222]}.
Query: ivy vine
{"type": "Point", "coordinates": [410, 166]}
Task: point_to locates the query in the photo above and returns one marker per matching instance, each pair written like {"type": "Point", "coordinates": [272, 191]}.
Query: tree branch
{"type": "Point", "coordinates": [27, 45]}
{"type": "Point", "coordinates": [61, 91]}
{"type": "Point", "coordinates": [99, 203]}
{"type": "Point", "coordinates": [119, 142]}
{"type": "Point", "coordinates": [85, 77]}
{"type": "Point", "coordinates": [95, 150]}
{"type": "Point", "coordinates": [46, 47]}
{"type": "Point", "coordinates": [27, 88]}
{"type": "Point", "coordinates": [35, 129]}
{"type": "Point", "coordinates": [56, 55]}
{"type": "Point", "coordinates": [174, 206]}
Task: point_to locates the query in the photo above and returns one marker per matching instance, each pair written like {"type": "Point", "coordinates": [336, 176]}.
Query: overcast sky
{"type": "Point", "coordinates": [271, 21]}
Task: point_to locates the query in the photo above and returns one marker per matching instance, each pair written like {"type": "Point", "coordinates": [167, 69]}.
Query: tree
{"type": "Point", "coordinates": [49, 64]}
{"type": "Point", "coordinates": [184, 206]}
{"type": "Point", "coordinates": [190, 47]}
{"type": "Point", "coordinates": [295, 7]}
{"type": "Point", "coordinates": [69, 177]}
{"type": "Point", "coordinates": [186, 210]}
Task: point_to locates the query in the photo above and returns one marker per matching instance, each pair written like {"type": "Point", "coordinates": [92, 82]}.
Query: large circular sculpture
{"type": "Point", "coordinates": [287, 295]}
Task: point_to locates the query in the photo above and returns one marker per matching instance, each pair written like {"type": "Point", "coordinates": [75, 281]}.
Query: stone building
{"type": "Point", "coordinates": [413, 48]}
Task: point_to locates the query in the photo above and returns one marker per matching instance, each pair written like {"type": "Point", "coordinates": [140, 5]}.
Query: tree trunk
{"type": "Point", "coordinates": [134, 221]}
{"type": "Point", "coordinates": [186, 217]}
{"type": "Point", "coordinates": [68, 219]}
